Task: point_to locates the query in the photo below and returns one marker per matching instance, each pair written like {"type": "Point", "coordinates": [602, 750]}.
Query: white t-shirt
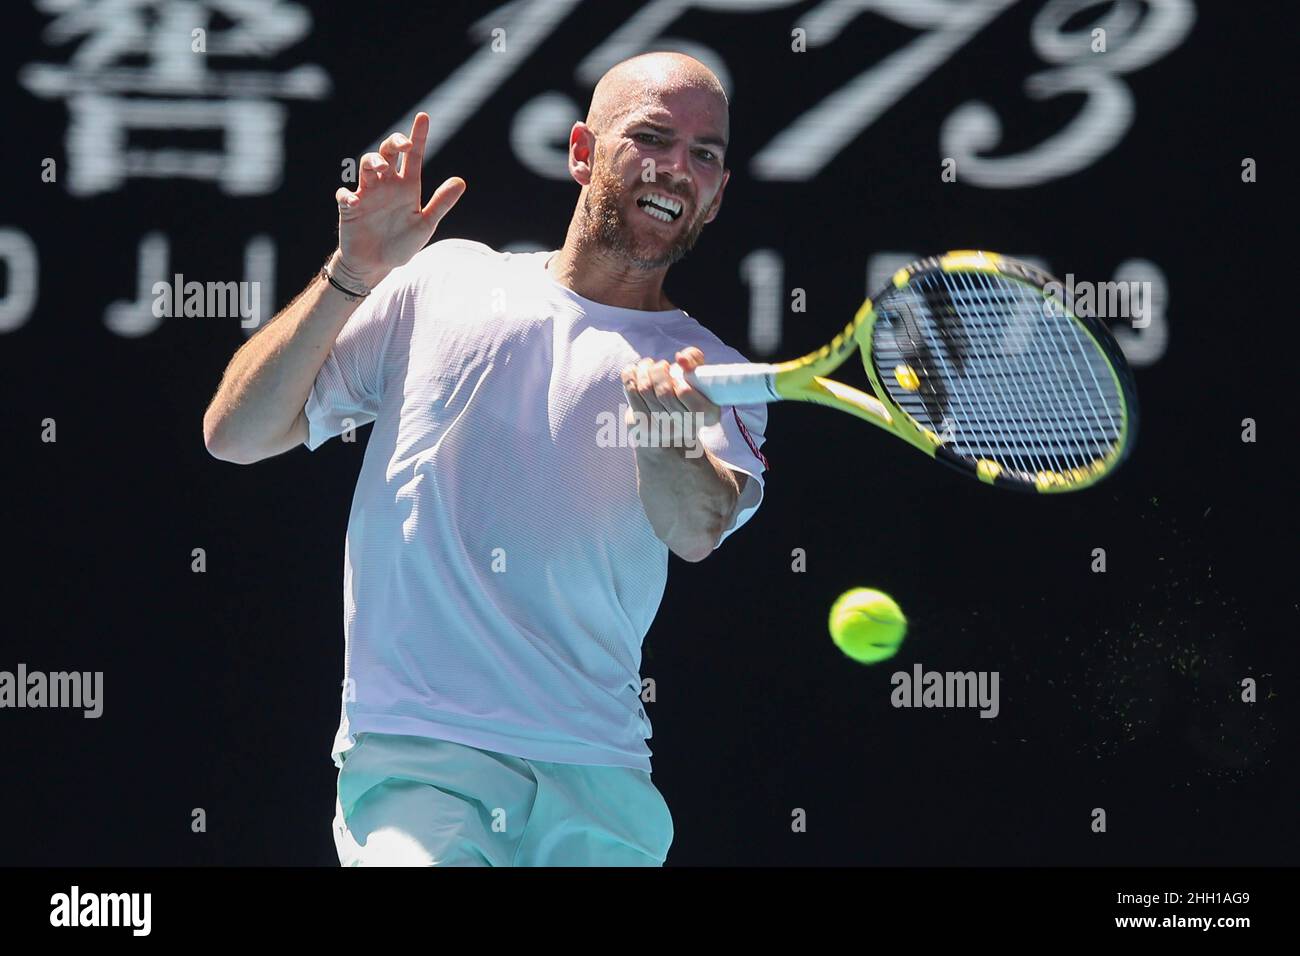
{"type": "Point", "coordinates": [500, 572]}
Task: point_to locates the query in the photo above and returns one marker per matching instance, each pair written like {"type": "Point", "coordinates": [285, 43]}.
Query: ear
{"type": "Point", "coordinates": [582, 152]}
{"type": "Point", "coordinates": [717, 200]}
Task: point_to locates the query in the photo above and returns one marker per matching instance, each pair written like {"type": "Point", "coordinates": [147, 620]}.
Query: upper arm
{"type": "Point", "coordinates": [295, 436]}
{"type": "Point", "coordinates": [729, 520]}
{"type": "Point", "coordinates": [735, 444]}
{"type": "Point", "coordinates": [349, 386]}
{"type": "Point", "coordinates": [742, 479]}
{"type": "Point", "coordinates": [298, 431]}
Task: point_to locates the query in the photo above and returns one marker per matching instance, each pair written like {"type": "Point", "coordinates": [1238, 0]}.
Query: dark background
{"type": "Point", "coordinates": [1118, 690]}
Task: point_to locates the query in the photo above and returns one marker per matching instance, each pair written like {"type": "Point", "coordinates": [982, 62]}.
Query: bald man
{"type": "Point", "coordinates": [532, 464]}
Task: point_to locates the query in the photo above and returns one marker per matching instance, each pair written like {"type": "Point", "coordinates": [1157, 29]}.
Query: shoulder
{"type": "Point", "coordinates": [466, 260]}
{"type": "Point", "coordinates": [454, 261]}
{"type": "Point", "coordinates": [439, 254]}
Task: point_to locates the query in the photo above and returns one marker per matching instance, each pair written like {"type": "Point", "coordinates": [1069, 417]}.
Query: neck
{"type": "Point", "coordinates": [596, 274]}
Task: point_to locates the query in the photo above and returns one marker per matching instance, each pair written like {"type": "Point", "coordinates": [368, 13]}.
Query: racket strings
{"type": "Point", "coordinates": [1039, 380]}
{"type": "Point", "coordinates": [998, 377]}
{"type": "Point", "coordinates": [1028, 377]}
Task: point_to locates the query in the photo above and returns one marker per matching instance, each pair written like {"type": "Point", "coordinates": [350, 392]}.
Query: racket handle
{"type": "Point", "coordinates": [741, 383]}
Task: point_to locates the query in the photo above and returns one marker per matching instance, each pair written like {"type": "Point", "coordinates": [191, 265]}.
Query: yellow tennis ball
{"type": "Point", "coordinates": [867, 625]}
{"type": "Point", "coordinates": [907, 378]}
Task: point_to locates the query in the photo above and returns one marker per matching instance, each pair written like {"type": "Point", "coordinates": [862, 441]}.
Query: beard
{"type": "Point", "coordinates": [607, 226]}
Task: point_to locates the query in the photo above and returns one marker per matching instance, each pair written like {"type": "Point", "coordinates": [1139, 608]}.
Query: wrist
{"type": "Point", "coordinates": [352, 276]}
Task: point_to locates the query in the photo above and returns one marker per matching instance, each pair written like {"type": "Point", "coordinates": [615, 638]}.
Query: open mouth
{"type": "Point", "coordinates": [661, 207]}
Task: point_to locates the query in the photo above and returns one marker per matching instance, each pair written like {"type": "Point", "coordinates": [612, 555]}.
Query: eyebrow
{"type": "Point", "coordinates": [707, 140]}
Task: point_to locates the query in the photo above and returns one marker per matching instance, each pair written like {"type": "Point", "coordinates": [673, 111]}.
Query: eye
{"type": "Point", "coordinates": [646, 137]}
{"type": "Point", "coordinates": [706, 155]}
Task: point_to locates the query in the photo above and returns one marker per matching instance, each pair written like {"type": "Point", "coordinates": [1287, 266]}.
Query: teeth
{"type": "Point", "coordinates": [668, 202]}
{"type": "Point", "coordinates": [657, 213]}
{"type": "Point", "coordinates": [664, 203]}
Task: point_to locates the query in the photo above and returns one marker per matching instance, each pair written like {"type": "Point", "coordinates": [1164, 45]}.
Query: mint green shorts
{"type": "Point", "coordinates": [416, 801]}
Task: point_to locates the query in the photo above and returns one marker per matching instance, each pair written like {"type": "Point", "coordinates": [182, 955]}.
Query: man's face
{"type": "Point", "coordinates": [657, 177]}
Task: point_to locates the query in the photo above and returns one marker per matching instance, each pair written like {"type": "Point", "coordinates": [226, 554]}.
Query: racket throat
{"type": "Point", "coordinates": [849, 399]}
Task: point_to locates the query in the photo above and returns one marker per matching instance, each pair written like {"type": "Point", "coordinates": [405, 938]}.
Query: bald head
{"type": "Point", "coordinates": [643, 80]}
{"type": "Point", "coordinates": [651, 158]}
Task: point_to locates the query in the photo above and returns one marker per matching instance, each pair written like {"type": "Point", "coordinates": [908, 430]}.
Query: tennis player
{"type": "Point", "coordinates": [508, 543]}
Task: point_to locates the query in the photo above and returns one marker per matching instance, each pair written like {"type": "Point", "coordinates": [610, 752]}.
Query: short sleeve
{"type": "Point", "coordinates": [735, 441]}
{"type": "Point", "coordinates": [350, 385]}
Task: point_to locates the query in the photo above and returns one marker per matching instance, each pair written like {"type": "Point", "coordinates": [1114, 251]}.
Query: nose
{"type": "Point", "coordinates": [676, 165]}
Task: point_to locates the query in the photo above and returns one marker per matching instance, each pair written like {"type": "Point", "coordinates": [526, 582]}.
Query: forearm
{"type": "Point", "coordinates": [689, 501]}
{"type": "Point", "coordinates": [266, 385]}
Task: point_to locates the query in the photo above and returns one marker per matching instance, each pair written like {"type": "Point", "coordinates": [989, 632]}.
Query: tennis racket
{"type": "Point", "coordinates": [976, 361]}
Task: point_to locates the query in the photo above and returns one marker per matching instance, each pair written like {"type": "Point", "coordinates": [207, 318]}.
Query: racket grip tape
{"type": "Point", "coordinates": [742, 383]}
